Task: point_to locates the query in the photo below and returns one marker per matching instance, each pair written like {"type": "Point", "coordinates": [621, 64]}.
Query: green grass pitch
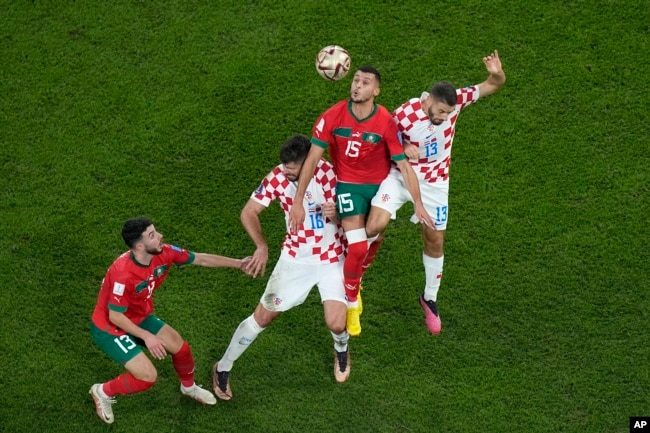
{"type": "Point", "coordinates": [175, 110]}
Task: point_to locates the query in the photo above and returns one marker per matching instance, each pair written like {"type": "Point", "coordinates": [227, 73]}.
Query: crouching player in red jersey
{"type": "Point", "coordinates": [123, 319]}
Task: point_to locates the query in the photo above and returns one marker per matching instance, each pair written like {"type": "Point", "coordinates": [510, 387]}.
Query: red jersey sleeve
{"type": "Point", "coordinates": [178, 255]}
{"type": "Point", "coordinates": [118, 287]}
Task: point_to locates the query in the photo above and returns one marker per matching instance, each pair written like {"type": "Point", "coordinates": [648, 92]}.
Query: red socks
{"type": "Point", "coordinates": [352, 268]}
{"type": "Point", "coordinates": [184, 365]}
{"type": "Point", "coordinates": [372, 252]}
{"type": "Point", "coordinates": [126, 384]}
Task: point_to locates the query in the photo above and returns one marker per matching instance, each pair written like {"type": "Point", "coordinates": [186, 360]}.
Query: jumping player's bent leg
{"type": "Point", "coordinates": [390, 197]}
{"type": "Point", "coordinates": [352, 267]}
{"type": "Point", "coordinates": [378, 220]}
{"type": "Point", "coordinates": [353, 206]}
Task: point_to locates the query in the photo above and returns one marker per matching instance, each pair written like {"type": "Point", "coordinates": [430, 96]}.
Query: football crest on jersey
{"type": "Point", "coordinates": [310, 198]}
{"type": "Point", "coordinates": [259, 189]}
{"type": "Point", "coordinates": [385, 198]}
{"type": "Point", "coordinates": [159, 270]}
{"type": "Point", "coordinates": [371, 138]}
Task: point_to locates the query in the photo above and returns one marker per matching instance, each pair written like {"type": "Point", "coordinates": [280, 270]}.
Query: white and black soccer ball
{"type": "Point", "coordinates": [333, 62]}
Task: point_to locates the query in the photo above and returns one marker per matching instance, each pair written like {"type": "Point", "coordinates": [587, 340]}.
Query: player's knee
{"type": "Point", "coordinates": [148, 375]}
{"type": "Point", "coordinates": [377, 221]}
{"type": "Point", "coordinates": [434, 243]}
{"type": "Point", "coordinates": [336, 323]}
{"type": "Point", "coordinates": [434, 249]}
{"type": "Point", "coordinates": [263, 317]}
{"type": "Point", "coordinates": [172, 340]}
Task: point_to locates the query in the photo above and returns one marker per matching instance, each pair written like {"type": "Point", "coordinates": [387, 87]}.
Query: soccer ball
{"type": "Point", "coordinates": [333, 62]}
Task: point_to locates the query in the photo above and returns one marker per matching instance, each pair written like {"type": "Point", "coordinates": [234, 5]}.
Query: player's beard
{"type": "Point", "coordinates": [359, 100]}
{"type": "Point", "coordinates": [435, 121]}
{"type": "Point", "coordinates": [154, 251]}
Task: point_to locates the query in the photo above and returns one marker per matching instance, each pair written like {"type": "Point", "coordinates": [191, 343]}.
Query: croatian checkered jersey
{"type": "Point", "coordinates": [318, 239]}
{"type": "Point", "coordinates": [433, 141]}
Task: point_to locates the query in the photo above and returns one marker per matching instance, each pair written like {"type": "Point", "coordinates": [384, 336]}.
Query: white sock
{"type": "Point", "coordinates": [341, 341]}
{"type": "Point", "coordinates": [433, 275]}
{"type": "Point", "coordinates": [354, 304]}
{"type": "Point", "coordinates": [244, 335]}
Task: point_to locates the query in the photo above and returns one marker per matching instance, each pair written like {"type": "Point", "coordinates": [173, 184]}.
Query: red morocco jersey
{"type": "Point", "coordinates": [360, 149]}
{"type": "Point", "coordinates": [318, 240]}
{"type": "Point", "coordinates": [128, 286]}
{"type": "Point", "coordinates": [433, 141]}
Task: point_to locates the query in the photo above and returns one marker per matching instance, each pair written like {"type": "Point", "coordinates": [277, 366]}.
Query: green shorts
{"type": "Point", "coordinates": [123, 348]}
{"type": "Point", "coordinates": [354, 199]}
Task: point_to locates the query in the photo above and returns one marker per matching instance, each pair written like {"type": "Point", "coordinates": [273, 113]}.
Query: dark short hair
{"type": "Point", "coordinates": [444, 91]}
{"type": "Point", "coordinates": [133, 229]}
{"type": "Point", "coordinates": [370, 70]}
{"type": "Point", "coordinates": [295, 149]}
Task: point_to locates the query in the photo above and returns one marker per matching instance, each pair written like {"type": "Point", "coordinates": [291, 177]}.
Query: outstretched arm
{"type": "Point", "coordinates": [496, 79]}
{"type": "Point", "coordinates": [216, 261]}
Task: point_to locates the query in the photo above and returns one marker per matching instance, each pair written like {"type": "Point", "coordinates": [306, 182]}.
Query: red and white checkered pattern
{"type": "Point", "coordinates": [434, 142]}
{"type": "Point", "coordinates": [311, 244]}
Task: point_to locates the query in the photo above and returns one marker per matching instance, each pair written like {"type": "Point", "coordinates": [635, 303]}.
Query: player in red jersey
{"type": "Point", "coordinates": [362, 140]}
{"type": "Point", "coordinates": [428, 126]}
{"type": "Point", "coordinates": [123, 318]}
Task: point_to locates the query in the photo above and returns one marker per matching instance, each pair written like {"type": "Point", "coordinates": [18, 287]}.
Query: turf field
{"type": "Point", "coordinates": [175, 110]}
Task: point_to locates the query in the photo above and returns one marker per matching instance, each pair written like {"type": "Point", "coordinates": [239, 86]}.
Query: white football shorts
{"type": "Point", "coordinates": [392, 195]}
{"type": "Point", "coordinates": [291, 282]}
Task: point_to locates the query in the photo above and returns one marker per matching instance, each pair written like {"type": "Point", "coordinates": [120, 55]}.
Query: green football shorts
{"type": "Point", "coordinates": [123, 348]}
{"type": "Point", "coordinates": [354, 199]}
